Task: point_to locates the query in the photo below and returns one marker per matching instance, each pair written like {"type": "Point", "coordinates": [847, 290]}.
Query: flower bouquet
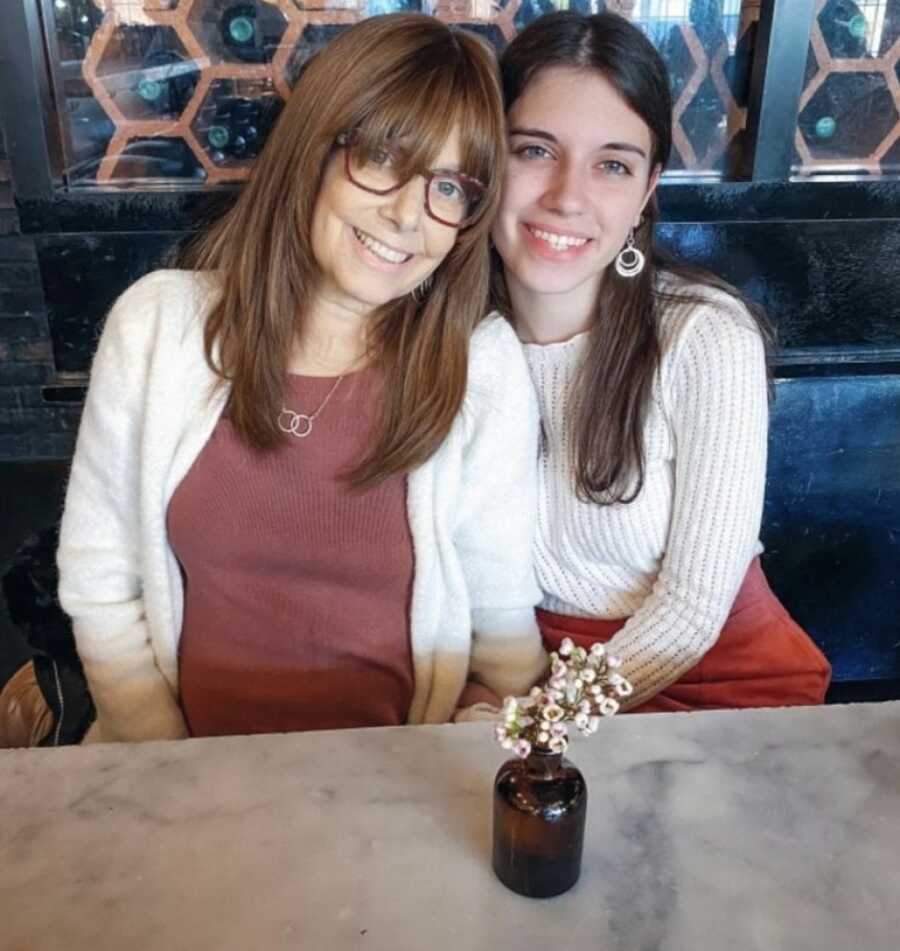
{"type": "Point", "coordinates": [540, 799]}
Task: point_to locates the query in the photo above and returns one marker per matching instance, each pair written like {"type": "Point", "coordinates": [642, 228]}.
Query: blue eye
{"type": "Point", "coordinates": [447, 189]}
{"type": "Point", "coordinates": [615, 168]}
{"type": "Point", "coordinates": [531, 152]}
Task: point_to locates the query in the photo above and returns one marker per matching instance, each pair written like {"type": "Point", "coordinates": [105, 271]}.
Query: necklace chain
{"type": "Point", "coordinates": [301, 424]}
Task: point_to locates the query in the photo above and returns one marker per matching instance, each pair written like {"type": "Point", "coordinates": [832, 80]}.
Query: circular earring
{"type": "Point", "coordinates": [630, 260]}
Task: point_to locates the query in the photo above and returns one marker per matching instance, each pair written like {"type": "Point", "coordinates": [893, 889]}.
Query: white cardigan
{"type": "Point", "coordinates": [152, 405]}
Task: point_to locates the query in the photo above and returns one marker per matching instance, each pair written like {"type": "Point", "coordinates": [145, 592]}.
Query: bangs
{"type": "Point", "coordinates": [421, 107]}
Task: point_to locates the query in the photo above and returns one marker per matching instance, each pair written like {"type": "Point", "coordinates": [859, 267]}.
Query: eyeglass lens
{"type": "Point", "coordinates": [447, 196]}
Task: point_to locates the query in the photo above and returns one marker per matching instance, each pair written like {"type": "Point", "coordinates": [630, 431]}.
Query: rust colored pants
{"type": "Point", "coordinates": [762, 658]}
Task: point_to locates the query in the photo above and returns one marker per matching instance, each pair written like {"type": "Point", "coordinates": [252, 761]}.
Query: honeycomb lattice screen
{"type": "Point", "coordinates": [850, 108]}
{"type": "Point", "coordinates": [183, 92]}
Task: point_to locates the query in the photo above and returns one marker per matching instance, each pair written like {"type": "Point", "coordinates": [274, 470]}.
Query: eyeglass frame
{"type": "Point", "coordinates": [346, 141]}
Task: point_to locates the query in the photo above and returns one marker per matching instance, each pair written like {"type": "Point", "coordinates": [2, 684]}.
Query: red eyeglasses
{"type": "Point", "coordinates": [452, 198]}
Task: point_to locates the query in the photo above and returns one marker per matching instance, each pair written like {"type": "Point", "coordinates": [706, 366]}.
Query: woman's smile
{"type": "Point", "coordinates": [377, 252]}
{"type": "Point", "coordinates": [554, 244]}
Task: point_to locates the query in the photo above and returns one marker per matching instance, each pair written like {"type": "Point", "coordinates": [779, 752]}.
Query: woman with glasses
{"type": "Point", "coordinates": [303, 490]}
{"type": "Point", "coordinates": [652, 384]}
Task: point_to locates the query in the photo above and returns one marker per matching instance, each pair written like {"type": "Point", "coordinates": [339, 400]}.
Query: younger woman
{"type": "Point", "coordinates": [302, 492]}
{"type": "Point", "coordinates": [652, 384]}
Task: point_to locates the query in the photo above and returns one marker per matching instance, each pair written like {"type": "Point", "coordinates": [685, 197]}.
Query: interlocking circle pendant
{"type": "Point", "coordinates": [296, 424]}
{"type": "Point", "coordinates": [629, 261]}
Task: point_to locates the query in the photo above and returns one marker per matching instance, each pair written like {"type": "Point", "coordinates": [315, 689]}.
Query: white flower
{"type": "Point", "coordinates": [557, 683]}
{"type": "Point", "coordinates": [558, 744]}
{"type": "Point", "coordinates": [624, 688]}
{"type": "Point", "coordinates": [558, 729]}
{"type": "Point", "coordinates": [609, 706]}
{"type": "Point", "coordinates": [566, 647]}
{"type": "Point", "coordinates": [613, 661]}
{"type": "Point", "coordinates": [553, 713]}
{"type": "Point", "coordinates": [594, 724]}
{"type": "Point", "coordinates": [507, 742]}
{"type": "Point", "coordinates": [596, 690]}
{"type": "Point", "coordinates": [499, 732]}
{"type": "Point", "coordinates": [589, 675]}
{"type": "Point", "coordinates": [598, 650]}
{"type": "Point", "coordinates": [523, 748]}
{"type": "Point", "coordinates": [543, 737]}
{"type": "Point", "coordinates": [581, 720]}
{"type": "Point", "coordinates": [584, 706]}
{"type": "Point", "coordinates": [535, 692]}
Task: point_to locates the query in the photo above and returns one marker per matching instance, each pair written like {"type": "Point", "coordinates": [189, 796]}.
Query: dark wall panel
{"type": "Point", "coordinates": [82, 275]}
{"type": "Point", "coordinates": [824, 283]}
{"type": "Point", "coordinates": [832, 518]}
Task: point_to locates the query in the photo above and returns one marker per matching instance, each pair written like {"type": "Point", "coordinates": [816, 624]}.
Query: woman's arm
{"type": "Point", "coordinates": [496, 526]}
{"type": "Point", "coordinates": [100, 539]}
{"type": "Point", "coordinates": [717, 403]}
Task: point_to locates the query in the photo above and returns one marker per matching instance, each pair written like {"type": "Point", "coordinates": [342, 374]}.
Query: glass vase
{"type": "Point", "coordinates": [539, 811]}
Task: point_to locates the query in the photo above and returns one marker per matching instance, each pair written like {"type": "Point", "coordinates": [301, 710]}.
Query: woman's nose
{"type": "Point", "coordinates": [405, 206]}
{"type": "Point", "coordinates": [565, 193]}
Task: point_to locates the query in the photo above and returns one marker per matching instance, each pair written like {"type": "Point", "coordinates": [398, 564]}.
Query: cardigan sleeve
{"type": "Point", "coordinates": [497, 519]}
{"type": "Point", "coordinates": [100, 552]}
{"type": "Point", "coordinates": [717, 404]}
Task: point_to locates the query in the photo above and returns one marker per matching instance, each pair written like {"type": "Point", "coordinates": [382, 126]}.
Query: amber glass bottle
{"type": "Point", "coordinates": [539, 810]}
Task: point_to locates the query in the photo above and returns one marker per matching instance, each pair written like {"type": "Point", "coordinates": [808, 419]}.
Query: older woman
{"type": "Point", "coordinates": [303, 487]}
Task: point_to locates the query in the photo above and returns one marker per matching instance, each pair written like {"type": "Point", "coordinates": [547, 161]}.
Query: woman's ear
{"type": "Point", "coordinates": [652, 182]}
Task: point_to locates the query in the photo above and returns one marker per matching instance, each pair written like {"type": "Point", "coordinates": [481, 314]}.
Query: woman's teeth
{"type": "Point", "coordinates": [380, 250]}
{"type": "Point", "coordinates": [558, 241]}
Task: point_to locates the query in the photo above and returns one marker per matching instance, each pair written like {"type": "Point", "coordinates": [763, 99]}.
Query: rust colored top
{"type": "Point", "coordinates": [297, 589]}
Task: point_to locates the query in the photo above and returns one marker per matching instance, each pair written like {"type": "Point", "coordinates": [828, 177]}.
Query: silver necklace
{"type": "Point", "coordinates": [301, 424]}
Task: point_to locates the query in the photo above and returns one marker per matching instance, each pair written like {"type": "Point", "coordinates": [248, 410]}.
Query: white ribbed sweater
{"type": "Point", "coordinates": [672, 560]}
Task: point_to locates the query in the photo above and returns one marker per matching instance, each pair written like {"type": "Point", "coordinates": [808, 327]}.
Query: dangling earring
{"type": "Point", "coordinates": [420, 291]}
{"type": "Point", "coordinates": [630, 260]}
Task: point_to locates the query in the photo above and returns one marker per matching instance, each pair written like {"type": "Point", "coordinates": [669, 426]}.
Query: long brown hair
{"type": "Point", "coordinates": [615, 379]}
{"type": "Point", "coordinates": [403, 76]}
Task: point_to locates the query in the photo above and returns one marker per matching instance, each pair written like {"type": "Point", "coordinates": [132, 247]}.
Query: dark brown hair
{"type": "Point", "coordinates": [405, 76]}
{"type": "Point", "coordinates": [623, 352]}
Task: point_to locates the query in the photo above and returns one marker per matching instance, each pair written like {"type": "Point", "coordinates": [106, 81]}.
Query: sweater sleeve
{"type": "Point", "coordinates": [99, 557]}
{"type": "Point", "coordinates": [718, 408]}
{"type": "Point", "coordinates": [496, 524]}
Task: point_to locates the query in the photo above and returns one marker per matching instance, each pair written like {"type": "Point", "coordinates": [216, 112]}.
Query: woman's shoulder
{"type": "Point", "coordinates": [178, 291]}
{"type": "Point", "coordinates": [498, 374]}
{"type": "Point", "coordinates": [706, 334]}
{"type": "Point", "coordinates": [703, 313]}
{"type": "Point", "coordinates": [496, 353]}
{"type": "Point", "coordinates": [159, 317]}
{"type": "Point", "coordinates": [495, 333]}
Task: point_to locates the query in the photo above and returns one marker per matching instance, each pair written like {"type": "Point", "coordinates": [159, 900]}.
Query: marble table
{"type": "Point", "coordinates": [769, 830]}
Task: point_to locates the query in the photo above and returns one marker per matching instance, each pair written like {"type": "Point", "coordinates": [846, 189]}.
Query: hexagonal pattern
{"type": "Point", "coordinates": [237, 31]}
{"type": "Point", "coordinates": [850, 114]}
{"type": "Point", "coordinates": [850, 108]}
{"type": "Point", "coordinates": [146, 73]}
{"type": "Point", "coordinates": [200, 73]}
{"type": "Point", "coordinates": [233, 120]}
